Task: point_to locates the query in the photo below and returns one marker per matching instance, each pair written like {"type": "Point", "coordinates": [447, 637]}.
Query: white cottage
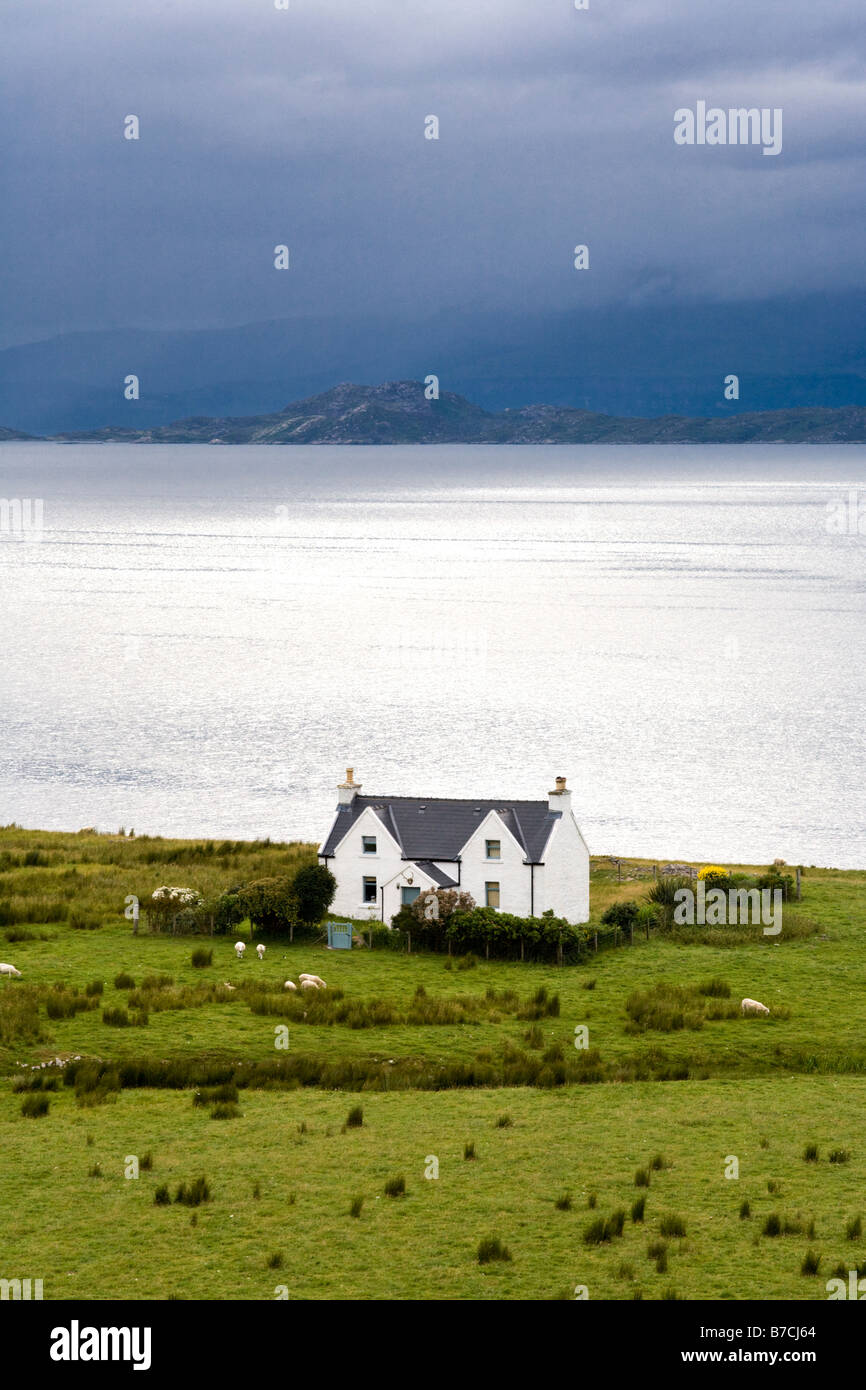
{"type": "Point", "coordinates": [518, 856]}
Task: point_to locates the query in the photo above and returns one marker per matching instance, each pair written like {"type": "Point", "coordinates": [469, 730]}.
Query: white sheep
{"type": "Point", "coordinates": [309, 984]}
{"type": "Point", "coordinates": [226, 985]}
{"type": "Point", "coordinates": [239, 949]}
{"type": "Point", "coordinates": [260, 951]}
{"type": "Point", "coordinates": [10, 970]}
{"type": "Point", "coordinates": [752, 1006]}
{"type": "Point", "coordinates": [290, 984]}
{"type": "Point", "coordinates": [317, 981]}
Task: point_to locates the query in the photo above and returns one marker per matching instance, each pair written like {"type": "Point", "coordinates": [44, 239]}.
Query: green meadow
{"type": "Point", "coordinates": [462, 1068]}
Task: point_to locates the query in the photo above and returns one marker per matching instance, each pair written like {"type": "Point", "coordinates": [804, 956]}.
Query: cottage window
{"type": "Point", "coordinates": [494, 849]}
{"type": "Point", "coordinates": [369, 890]}
{"type": "Point", "coordinates": [368, 843]}
{"type": "Point", "coordinates": [491, 891]}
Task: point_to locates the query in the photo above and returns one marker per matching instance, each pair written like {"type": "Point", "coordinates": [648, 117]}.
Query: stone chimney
{"type": "Point", "coordinates": [560, 798]}
{"type": "Point", "coordinates": [348, 790]}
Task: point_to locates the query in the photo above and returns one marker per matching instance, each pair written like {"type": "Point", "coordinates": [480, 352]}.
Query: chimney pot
{"type": "Point", "coordinates": [559, 799]}
{"type": "Point", "coordinates": [348, 790]}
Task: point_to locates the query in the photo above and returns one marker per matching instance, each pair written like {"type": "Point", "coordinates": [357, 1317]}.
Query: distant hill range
{"type": "Point", "coordinates": [13, 434]}
{"type": "Point", "coordinates": [398, 412]}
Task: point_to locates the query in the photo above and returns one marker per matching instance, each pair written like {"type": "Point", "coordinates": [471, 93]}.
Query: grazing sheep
{"type": "Point", "coordinates": [260, 951]}
{"type": "Point", "coordinates": [290, 984]}
{"type": "Point", "coordinates": [309, 984]}
{"type": "Point", "coordinates": [751, 1006]}
{"type": "Point", "coordinates": [10, 970]}
{"type": "Point", "coordinates": [320, 984]}
{"type": "Point", "coordinates": [239, 949]}
{"type": "Point", "coordinates": [226, 985]}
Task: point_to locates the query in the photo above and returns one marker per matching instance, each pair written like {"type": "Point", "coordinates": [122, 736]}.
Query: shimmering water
{"type": "Point", "coordinates": [204, 638]}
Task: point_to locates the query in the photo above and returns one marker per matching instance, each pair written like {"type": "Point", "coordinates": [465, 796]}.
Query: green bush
{"type": "Point", "coordinates": [622, 915]}
{"type": "Point", "coordinates": [313, 887]}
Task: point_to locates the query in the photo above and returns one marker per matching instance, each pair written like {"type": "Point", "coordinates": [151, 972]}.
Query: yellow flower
{"type": "Point", "coordinates": [710, 872]}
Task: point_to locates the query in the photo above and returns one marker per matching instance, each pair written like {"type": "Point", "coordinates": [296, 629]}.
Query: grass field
{"type": "Point", "coordinates": [759, 1090]}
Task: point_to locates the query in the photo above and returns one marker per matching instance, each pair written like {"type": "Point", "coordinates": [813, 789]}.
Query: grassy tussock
{"type": "Point", "coordinates": [669, 1008]}
{"type": "Point", "coordinates": [35, 1106]}
{"type": "Point", "coordinates": [491, 1250]}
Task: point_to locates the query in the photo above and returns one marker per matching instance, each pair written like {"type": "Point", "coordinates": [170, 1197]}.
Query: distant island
{"type": "Point", "coordinates": [398, 412]}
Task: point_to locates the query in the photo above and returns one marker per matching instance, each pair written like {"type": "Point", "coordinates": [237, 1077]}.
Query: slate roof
{"type": "Point", "coordinates": [433, 828]}
{"type": "Point", "coordinates": [438, 875]}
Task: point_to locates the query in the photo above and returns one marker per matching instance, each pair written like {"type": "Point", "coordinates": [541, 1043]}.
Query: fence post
{"type": "Point", "coordinates": [409, 939]}
{"type": "Point", "coordinates": [596, 943]}
{"type": "Point", "coordinates": [631, 929]}
{"type": "Point", "coordinates": [798, 883]}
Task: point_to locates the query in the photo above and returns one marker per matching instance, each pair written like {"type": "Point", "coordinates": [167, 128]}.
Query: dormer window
{"type": "Point", "coordinates": [494, 849]}
{"type": "Point", "coordinates": [368, 844]}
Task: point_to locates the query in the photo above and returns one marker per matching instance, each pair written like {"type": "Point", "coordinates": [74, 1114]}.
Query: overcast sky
{"type": "Point", "coordinates": [306, 127]}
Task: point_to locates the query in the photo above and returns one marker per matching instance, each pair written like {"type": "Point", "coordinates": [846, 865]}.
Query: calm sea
{"type": "Point", "coordinates": [204, 638]}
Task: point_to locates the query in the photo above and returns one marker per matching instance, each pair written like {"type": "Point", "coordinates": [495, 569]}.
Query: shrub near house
{"type": "Point", "coordinates": [447, 920]}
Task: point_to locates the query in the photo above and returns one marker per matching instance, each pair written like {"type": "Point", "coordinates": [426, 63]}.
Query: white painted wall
{"type": "Point", "coordinates": [350, 866]}
{"type": "Point", "coordinates": [509, 871]}
{"type": "Point", "coordinates": [562, 883]}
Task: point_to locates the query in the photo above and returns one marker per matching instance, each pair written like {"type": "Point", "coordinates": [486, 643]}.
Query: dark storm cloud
{"type": "Point", "coordinates": [260, 126]}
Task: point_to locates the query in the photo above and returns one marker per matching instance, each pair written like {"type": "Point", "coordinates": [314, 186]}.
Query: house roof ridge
{"type": "Point", "coordinates": [465, 800]}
